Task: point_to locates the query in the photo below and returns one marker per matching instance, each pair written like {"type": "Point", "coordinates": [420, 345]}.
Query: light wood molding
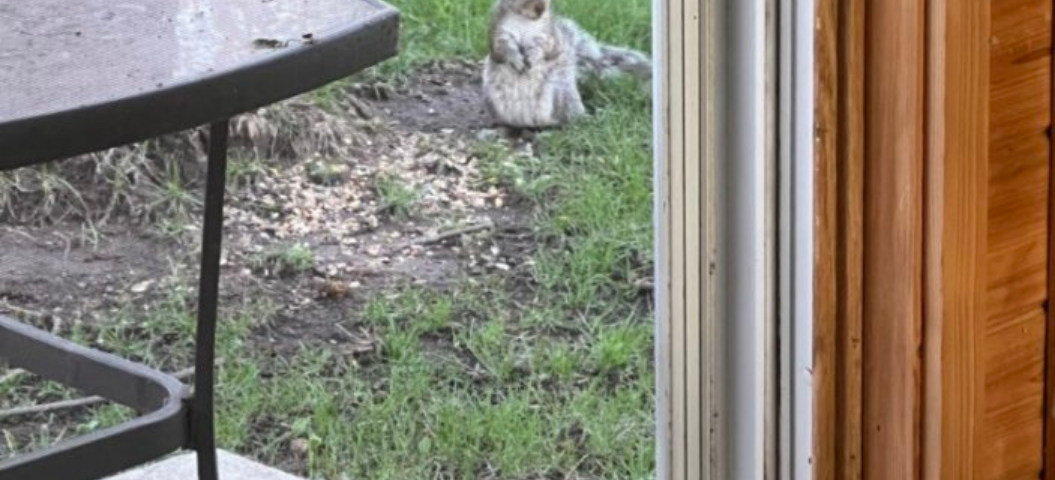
{"type": "Point", "coordinates": [957, 225]}
{"type": "Point", "coordinates": [893, 234]}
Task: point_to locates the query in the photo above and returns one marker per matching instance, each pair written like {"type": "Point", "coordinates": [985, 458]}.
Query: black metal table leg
{"type": "Point", "coordinates": [203, 428]}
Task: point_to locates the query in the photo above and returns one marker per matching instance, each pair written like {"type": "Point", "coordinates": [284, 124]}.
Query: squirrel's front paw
{"type": "Point", "coordinates": [519, 64]}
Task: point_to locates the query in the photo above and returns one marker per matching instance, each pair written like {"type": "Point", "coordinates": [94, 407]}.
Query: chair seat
{"type": "Point", "coordinates": [161, 400]}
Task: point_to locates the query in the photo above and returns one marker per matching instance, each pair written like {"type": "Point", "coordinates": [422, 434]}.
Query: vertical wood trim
{"type": "Point", "coordinates": [850, 253]}
{"type": "Point", "coordinates": [840, 210]}
{"type": "Point", "coordinates": [924, 252]}
{"type": "Point", "coordinates": [894, 95]}
{"type": "Point", "coordinates": [957, 223]}
{"type": "Point", "coordinates": [826, 239]}
{"type": "Point", "coordinates": [932, 305]}
{"type": "Point", "coordinates": [840, 94]}
{"type": "Point", "coordinates": [1049, 374]}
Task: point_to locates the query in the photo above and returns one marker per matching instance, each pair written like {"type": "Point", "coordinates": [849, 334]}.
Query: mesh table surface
{"type": "Point", "coordinates": [146, 67]}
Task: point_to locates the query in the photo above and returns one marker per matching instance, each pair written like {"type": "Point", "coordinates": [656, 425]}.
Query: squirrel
{"type": "Point", "coordinates": [536, 59]}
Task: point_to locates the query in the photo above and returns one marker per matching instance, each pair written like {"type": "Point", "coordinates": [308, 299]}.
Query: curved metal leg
{"type": "Point", "coordinates": [203, 417]}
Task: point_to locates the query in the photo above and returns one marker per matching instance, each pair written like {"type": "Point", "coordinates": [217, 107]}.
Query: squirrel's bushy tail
{"type": "Point", "coordinates": [595, 58]}
{"type": "Point", "coordinates": [616, 60]}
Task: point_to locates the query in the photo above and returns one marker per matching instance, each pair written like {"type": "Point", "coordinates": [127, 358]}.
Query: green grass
{"type": "Point", "coordinates": [396, 196]}
{"type": "Point", "coordinates": [244, 171]}
{"type": "Point", "coordinates": [440, 29]}
{"type": "Point", "coordinates": [285, 260]}
{"type": "Point", "coordinates": [52, 193]}
{"type": "Point", "coordinates": [498, 379]}
{"type": "Point", "coordinates": [561, 381]}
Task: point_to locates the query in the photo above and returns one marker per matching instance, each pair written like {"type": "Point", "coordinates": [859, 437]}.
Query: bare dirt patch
{"type": "Point", "coordinates": [441, 96]}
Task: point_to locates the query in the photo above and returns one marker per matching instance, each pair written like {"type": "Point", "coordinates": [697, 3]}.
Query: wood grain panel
{"type": "Point", "coordinates": [1013, 432]}
{"type": "Point", "coordinates": [1012, 437]}
{"type": "Point", "coordinates": [1019, 274]}
{"type": "Point", "coordinates": [972, 274]}
{"type": "Point", "coordinates": [957, 195]}
{"type": "Point", "coordinates": [893, 237]}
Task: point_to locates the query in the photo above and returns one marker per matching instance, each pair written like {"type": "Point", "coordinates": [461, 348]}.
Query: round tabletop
{"type": "Point", "coordinates": [78, 76]}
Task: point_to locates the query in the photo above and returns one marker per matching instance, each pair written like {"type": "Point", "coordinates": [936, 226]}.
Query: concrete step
{"type": "Point", "coordinates": [184, 467]}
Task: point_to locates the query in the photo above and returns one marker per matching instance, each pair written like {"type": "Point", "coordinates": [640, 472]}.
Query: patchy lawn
{"type": "Point", "coordinates": [405, 294]}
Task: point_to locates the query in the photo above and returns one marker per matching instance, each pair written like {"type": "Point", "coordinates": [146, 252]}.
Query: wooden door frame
{"type": "Point", "coordinates": [1049, 378]}
{"type": "Point", "coordinates": [902, 169]}
{"type": "Point", "coordinates": [957, 226]}
{"type": "Point", "coordinates": [839, 206]}
{"type": "Point", "coordinates": [957, 230]}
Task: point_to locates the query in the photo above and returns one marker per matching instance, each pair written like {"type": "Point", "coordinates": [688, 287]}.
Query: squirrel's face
{"type": "Point", "coordinates": [532, 9]}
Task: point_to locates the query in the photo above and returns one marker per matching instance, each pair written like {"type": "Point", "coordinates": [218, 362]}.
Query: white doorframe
{"type": "Point", "coordinates": [744, 212]}
{"type": "Point", "coordinates": [797, 32]}
{"type": "Point", "coordinates": [733, 155]}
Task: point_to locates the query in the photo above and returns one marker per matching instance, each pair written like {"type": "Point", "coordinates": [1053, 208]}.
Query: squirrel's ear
{"type": "Point", "coordinates": [540, 7]}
